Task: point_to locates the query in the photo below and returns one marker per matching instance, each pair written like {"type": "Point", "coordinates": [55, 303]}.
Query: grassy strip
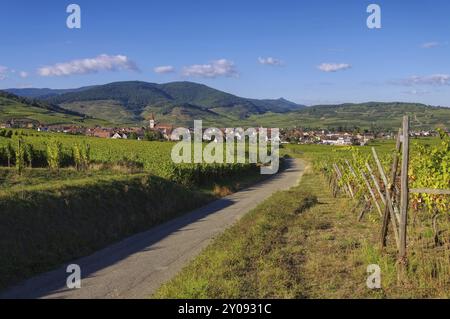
{"type": "Point", "coordinates": [250, 259]}
{"type": "Point", "coordinates": [283, 249]}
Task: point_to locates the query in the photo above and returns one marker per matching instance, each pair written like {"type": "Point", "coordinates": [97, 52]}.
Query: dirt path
{"type": "Point", "coordinates": [137, 266]}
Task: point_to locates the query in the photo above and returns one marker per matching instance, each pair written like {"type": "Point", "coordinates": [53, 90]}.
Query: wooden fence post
{"type": "Point", "coordinates": [404, 197]}
{"type": "Point", "coordinates": [394, 169]}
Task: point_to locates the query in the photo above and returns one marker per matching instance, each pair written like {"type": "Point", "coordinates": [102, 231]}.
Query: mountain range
{"type": "Point", "coordinates": [176, 102]}
{"type": "Point", "coordinates": [180, 103]}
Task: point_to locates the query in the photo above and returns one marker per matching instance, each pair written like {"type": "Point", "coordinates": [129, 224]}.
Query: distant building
{"type": "Point", "coordinates": [101, 133]}
{"type": "Point", "coordinates": [119, 136]}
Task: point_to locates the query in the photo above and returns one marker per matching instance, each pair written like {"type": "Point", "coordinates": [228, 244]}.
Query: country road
{"type": "Point", "coordinates": [137, 266]}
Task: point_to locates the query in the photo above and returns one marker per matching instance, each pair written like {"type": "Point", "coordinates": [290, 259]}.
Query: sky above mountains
{"type": "Point", "coordinates": [310, 51]}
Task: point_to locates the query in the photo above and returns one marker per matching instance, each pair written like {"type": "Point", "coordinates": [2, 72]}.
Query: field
{"type": "Point", "coordinates": [150, 157]}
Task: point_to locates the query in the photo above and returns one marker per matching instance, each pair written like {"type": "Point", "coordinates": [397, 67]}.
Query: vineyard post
{"type": "Point", "coordinates": [389, 203]}
{"type": "Point", "coordinates": [404, 188]}
{"type": "Point", "coordinates": [375, 182]}
{"type": "Point", "coordinates": [366, 207]}
{"type": "Point", "coordinates": [352, 171]}
{"type": "Point", "coordinates": [394, 169]}
{"type": "Point", "coordinates": [334, 181]}
{"type": "Point", "coordinates": [371, 192]}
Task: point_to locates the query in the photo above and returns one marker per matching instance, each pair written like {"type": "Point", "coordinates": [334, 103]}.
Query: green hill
{"type": "Point", "coordinates": [176, 102]}
{"type": "Point", "coordinates": [16, 108]}
{"type": "Point", "coordinates": [365, 115]}
{"type": "Point", "coordinates": [180, 103]}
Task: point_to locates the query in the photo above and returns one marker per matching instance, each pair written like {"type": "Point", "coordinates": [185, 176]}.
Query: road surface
{"type": "Point", "coordinates": [137, 266]}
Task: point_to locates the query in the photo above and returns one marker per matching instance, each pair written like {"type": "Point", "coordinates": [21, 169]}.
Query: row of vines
{"type": "Point", "coordinates": [59, 151]}
{"type": "Point", "coordinates": [429, 168]}
{"type": "Point", "coordinates": [412, 206]}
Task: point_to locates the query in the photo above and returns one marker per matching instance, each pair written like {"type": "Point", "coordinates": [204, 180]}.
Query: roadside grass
{"type": "Point", "coordinates": [303, 243]}
{"type": "Point", "coordinates": [250, 259]}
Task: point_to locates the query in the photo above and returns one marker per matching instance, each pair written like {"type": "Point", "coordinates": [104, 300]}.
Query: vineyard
{"type": "Point", "coordinates": [405, 191]}
{"type": "Point", "coordinates": [40, 150]}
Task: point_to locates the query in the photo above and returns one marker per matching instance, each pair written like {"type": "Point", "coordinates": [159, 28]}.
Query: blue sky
{"type": "Point", "coordinates": [259, 49]}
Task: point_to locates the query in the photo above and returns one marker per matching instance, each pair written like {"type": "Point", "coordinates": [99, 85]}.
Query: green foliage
{"type": "Point", "coordinates": [29, 154]}
{"type": "Point", "coordinates": [133, 136]}
{"type": "Point", "coordinates": [81, 156]}
{"type": "Point", "coordinates": [153, 135]}
{"type": "Point", "coordinates": [9, 153]}
{"type": "Point", "coordinates": [429, 167]}
{"type": "Point", "coordinates": [54, 154]}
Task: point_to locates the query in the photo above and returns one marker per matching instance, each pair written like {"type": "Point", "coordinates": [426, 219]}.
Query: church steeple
{"type": "Point", "coordinates": [152, 121]}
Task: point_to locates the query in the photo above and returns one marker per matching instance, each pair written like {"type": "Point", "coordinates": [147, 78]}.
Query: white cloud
{"type": "Point", "coordinates": [430, 45]}
{"type": "Point", "coordinates": [214, 69]}
{"type": "Point", "coordinates": [23, 74]}
{"type": "Point", "coordinates": [333, 67]}
{"type": "Point", "coordinates": [416, 92]}
{"type": "Point", "coordinates": [163, 69]}
{"type": "Point", "coordinates": [435, 80]}
{"type": "Point", "coordinates": [270, 61]}
{"type": "Point", "coordinates": [102, 62]}
{"type": "Point", "coordinates": [3, 72]}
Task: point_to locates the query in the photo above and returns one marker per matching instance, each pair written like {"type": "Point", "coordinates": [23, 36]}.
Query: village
{"type": "Point", "coordinates": [159, 131]}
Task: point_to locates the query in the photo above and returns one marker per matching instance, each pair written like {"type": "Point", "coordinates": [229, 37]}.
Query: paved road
{"type": "Point", "coordinates": [137, 266]}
